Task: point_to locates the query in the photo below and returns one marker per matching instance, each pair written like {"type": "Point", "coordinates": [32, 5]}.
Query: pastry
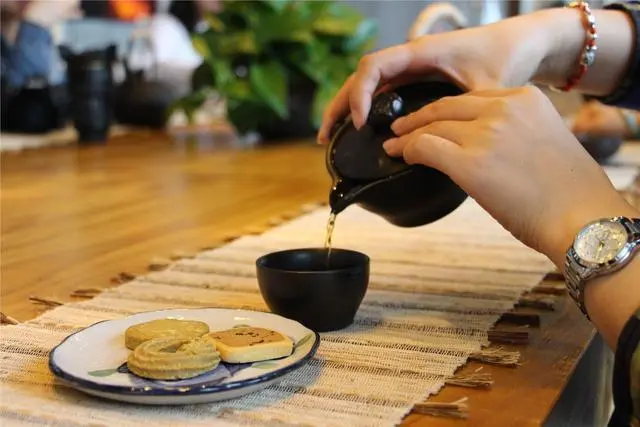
{"type": "Point", "coordinates": [163, 328]}
{"type": "Point", "coordinates": [173, 358]}
{"type": "Point", "coordinates": [249, 344]}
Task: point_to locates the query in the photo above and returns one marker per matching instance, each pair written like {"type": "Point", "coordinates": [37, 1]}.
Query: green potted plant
{"type": "Point", "coordinates": [277, 63]}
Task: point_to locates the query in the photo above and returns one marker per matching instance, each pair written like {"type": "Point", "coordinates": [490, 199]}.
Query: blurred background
{"type": "Point", "coordinates": [259, 70]}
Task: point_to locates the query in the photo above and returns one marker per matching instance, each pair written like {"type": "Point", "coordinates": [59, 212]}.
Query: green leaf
{"type": "Point", "coordinates": [242, 42]}
{"type": "Point", "coordinates": [200, 45]}
{"type": "Point", "coordinates": [313, 61]}
{"type": "Point", "coordinates": [222, 72]}
{"type": "Point", "coordinates": [312, 9]}
{"type": "Point", "coordinates": [214, 22]}
{"type": "Point", "coordinates": [276, 40]}
{"type": "Point", "coordinates": [338, 20]}
{"type": "Point", "coordinates": [102, 372]}
{"type": "Point", "coordinates": [322, 66]}
{"type": "Point", "coordinates": [240, 90]}
{"type": "Point", "coordinates": [246, 116]}
{"type": "Point", "coordinates": [202, 77]}
{"type": "Point", "coordinates": [302, 341]}
{"type": "Point", "coordinates": [277, 5]}
{"type": "Point", "coordinates": [264, 365]}
{"type": "Point", "coordinates": [287, 26]}
{"type": "Point", "coordinates": [362, 38]}
{"type": "Point", "coordinates": [269, 81]}
{"type": "Point", "coordinates": [190, 103]}
{"type": "Point", "coordinates": [243, 14]}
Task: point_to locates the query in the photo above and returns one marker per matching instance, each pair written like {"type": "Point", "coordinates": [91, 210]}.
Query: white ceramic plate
{"type": "Point", "coordinates": [93, 360]}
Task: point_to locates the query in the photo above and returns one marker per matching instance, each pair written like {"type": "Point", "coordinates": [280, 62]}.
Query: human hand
{"type": "Point", "coordinates": [511, 151]}
{"type": "Point", "coordinates": [507, 53]}
{"type": "Point", "coordinates": [598, 119]}
{"type": "Point", "coordinates": [541, 47]}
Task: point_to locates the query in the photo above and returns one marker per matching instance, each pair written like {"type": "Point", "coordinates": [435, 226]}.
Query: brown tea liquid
{"type": "Point", "coordinates": [327, 241]}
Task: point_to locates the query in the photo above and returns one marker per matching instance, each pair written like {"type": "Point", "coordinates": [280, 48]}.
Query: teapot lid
{"type": "Point", "coordinates": [358, 154]}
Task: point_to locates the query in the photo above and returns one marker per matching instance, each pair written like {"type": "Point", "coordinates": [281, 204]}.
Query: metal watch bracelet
{"type": "Point", "coordinates": [576, 274]}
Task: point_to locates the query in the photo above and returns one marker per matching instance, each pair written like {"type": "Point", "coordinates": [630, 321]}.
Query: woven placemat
{"type": "Point", "coordinates": [434, 294]}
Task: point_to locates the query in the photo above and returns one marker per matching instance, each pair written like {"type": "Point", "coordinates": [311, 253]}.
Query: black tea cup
{"type": "Point", "coordinates": [322, 293]}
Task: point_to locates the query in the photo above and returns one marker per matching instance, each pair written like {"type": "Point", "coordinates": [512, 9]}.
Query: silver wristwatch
{"type": "Point", "coordinates": [600, 248]}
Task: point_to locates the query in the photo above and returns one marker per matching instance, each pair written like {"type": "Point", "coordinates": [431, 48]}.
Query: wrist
{"type": "Point", "coordinates": [603, 206]}
{"type": "Point", "coordinates": [619, 290]}
{"type": "Point", "coordinates": [565, 37]}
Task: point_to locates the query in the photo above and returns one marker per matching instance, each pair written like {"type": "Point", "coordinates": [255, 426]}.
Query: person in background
{"type": "Point", "coordinates": [28, 49]}
{"type": "Point", "coordinates": [168, 32]}
{"type": "Point", "coordinates": [190, 12]}
{"type": "Point", "coordinates": [171, 31]}
{"type": "Point", "coordinates": [597, 119]}
{"type": "Point", "coordinates": [506, 145]}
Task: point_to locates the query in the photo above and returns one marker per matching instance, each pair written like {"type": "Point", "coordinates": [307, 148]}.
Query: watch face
{"type": "Point", "coordinates": [600, 242]}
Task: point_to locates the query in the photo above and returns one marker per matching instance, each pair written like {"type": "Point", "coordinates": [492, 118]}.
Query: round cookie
{"type": "Point", "coordinates": [163, 328]}
{"type": "Point", "coordinates": [173, 358]}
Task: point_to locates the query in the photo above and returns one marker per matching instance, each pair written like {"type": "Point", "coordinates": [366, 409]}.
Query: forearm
{"type": "Point", "coordinates": [565, 35]}
{"type": "Point", "coordinates": [612, 300]}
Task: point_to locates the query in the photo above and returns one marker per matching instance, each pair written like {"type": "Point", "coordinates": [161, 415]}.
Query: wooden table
{"type": "Point", "coordinates": [76, 217]}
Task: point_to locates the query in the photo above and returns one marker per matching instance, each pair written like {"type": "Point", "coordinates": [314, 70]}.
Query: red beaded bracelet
{"type": "Point", "coordinates": [588, 54]}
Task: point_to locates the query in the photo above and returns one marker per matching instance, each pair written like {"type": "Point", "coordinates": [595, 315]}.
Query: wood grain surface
{"type": "Point", "coordinates": [76, 217]}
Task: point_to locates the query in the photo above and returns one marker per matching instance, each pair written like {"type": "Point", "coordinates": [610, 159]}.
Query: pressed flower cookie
{"type": "Point", "coordinates": [163, 328]}
{"type": "Point", "coordinates": [173, 358]}
{"type": "Point", "coordinates": [249, 344]}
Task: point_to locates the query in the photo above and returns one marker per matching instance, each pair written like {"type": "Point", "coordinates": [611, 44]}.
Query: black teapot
{"type": "Point", "coordinates": [363, 174]}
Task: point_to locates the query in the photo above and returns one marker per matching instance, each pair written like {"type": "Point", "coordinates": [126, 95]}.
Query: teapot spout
{"type": "Point", "coordinates": [342, 195]}
{"type": "Point", "coordinates": [345, 193]}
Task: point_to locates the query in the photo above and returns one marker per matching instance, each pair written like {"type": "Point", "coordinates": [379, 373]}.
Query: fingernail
{"type": "Point", "coordinates": [389, 143]}
{"type": "Point", "coordinates": [357, 121]}
{"type": "Point", "coordinates": [321, 135]}
{"type": "Point", "coordinates": [396, 126]}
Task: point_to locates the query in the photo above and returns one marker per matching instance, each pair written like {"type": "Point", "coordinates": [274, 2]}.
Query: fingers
{"type": "Point", "coordinates": [497, 92]}
{"type": "Point", "coordinates": [458, 108]}
{"type": "Point", "coordinates": [373, 70]}
{"type": "Point", "coordinates": [434, 151]}
{"type": "Point", "coordinates": [449, 130]}
{"type": "Point", "coordinates": [337, 109]}
{"type": "Point", "coordinates": [466, 107]}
